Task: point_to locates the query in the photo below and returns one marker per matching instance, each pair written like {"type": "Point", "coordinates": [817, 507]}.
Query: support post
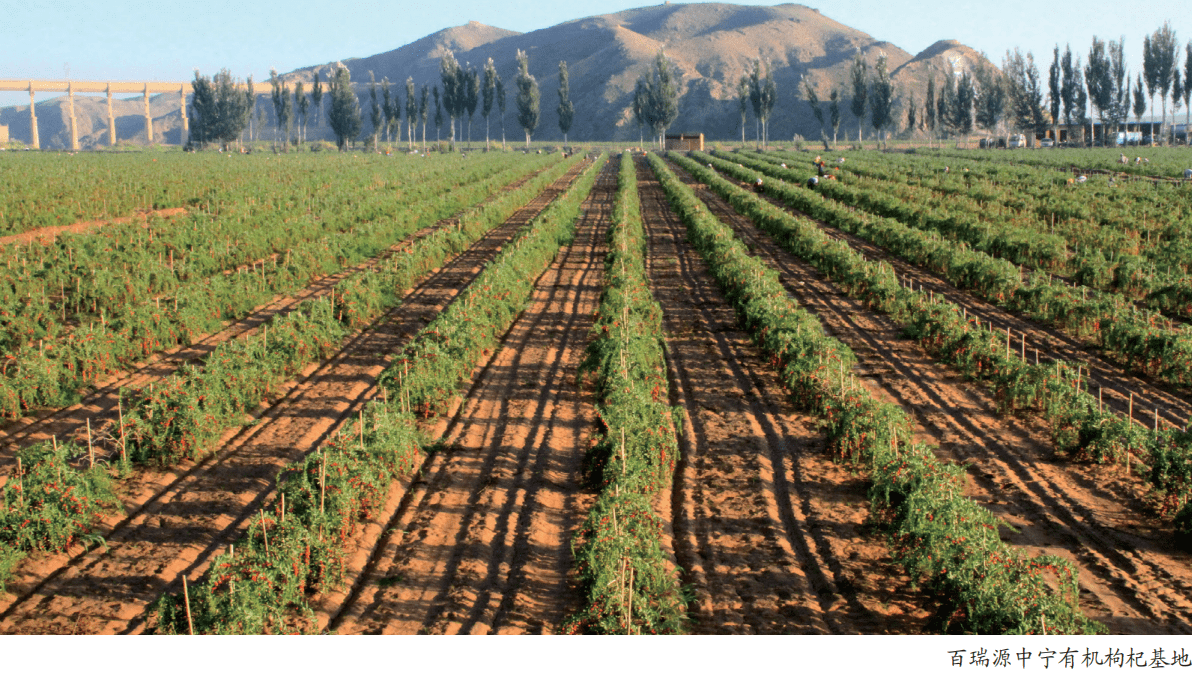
{"type": "Point", "coordinates": [148, 118]}
{"type": "Point", "coordinates": [34, 142]}
{"type": "Point", "coordinates": [111, 119]}
{"type": "Point", "coordinates": [185, 119]}
{"type": "Point", "coordinates": [74, 124]}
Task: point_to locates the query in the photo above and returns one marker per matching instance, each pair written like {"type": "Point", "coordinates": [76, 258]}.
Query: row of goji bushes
{"type": "Point", "coordinates": [944, 539]}
{"type": "Point", "coordinates": [1078, 424]}
{"type": "Point", "coordinates": [1098, 242]}
{"type": "Point", "coordinates": [628, 583]}
{"type": "Point", "coordinates": [1141, 339]}
{"type": "Point", "coordinates": [52, 373]}
{"type": "Point", "coordinates": [264, 585]}
{"type": "Point", "coordinates": [182, 417]}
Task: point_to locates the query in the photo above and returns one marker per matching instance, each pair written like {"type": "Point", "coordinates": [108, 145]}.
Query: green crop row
{"type": "Point", "coordinates": [629, 585]}
{"type": "Point", "coordinates": [1104, 253]}
{"type": "Point", "coordinates": [182, 417]}
{"type": "Point", "coordinates": [298, 547]}
{"type": "Point", "coordinates": [96, 277]}
{"type": "Point", "coordinates": [1078, 424]}
{"type": "Point", "coordinates": [39, 374]}
{"type": "Point", "coordinates": [945, 540]}
{"type": "Point", "coordinates": [1144, 340]}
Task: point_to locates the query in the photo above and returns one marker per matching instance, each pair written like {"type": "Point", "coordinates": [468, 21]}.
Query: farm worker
{"type": "Point", "coordinates": [784, 166]}
{"type": "Point", "coordinates": [813, 182]}
{"type": "Point", "coordinates": [1082, 179]}
{"type": "Point", "coordinates": [819, 169]}
{"type": "Point", "coordinates": [817, 160]}
{"type": "Point", "coordinates": [1187, 174]}
{"type": "Point", "coordinates": [1071, 181]}
{"type": "Point", "coordinates": [1123, 160]}
{"type": "Point", "coordinates": [947, 169]}
{"type": "Point", "coordinates": [840, 161]}
{"type": "Point", "coordinates": [757, 185]}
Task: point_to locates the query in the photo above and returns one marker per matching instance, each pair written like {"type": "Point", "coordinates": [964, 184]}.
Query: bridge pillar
{"type": "Point", "coordinates": [111, 119]}
{"type": "Point", "coordinates": [33, 120]}
{"type": "Point", "coordinates": [148, 117]}
{"type": "Point", "coordinates": [74, 125]}
{"type": "Point", "coordinates": [185, 120]}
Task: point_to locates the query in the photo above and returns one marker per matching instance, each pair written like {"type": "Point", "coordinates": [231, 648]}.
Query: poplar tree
{"type": "Point", "coordinates": [860, 83]}
{"type": "Point", "coordinates": [219, 112]}
{"type": "Point", "coordinates": [640, 102]}
{"type": "Point", "coordinates": [763, 93]}
{"type": "Point", "coordinates": [375, 116]}
{"type": "Point", "coordinates": [1055, 93]}
{"type": "Point", "coordinates": [303, 105]}
{"type": "Point", "coordinates": [834, 112]}
{"type": "Point", "coordinates": [501, 107]}
{"type": "Point", "coordinates": [929, 106]}
{"type": "Point", "coordinates": [1158, 58]}
{"type": "Point", "coordinates": [527, 97]}
{"type": "Point", "coordinates": [471, 97]}
{"type": "Point", "coordinates": [1139, 101]}
{"type": "Point", "coordinates": [345, 109]}
{"type": "Point", "coordinates": [424, 109]}
{"type": "Point", "coordinates": [991, 96]}
{"type": "Point", "coordinates": [316, 98]}
{"type": "Point", "coordinates": [962, 112]}
{"type": "Point", "coordinates": [1098, 76]}
{"type": "Point", "coordinates": [882, 96]}
{"type": "Point", "coordinates": [911, 122]}
{"type": "Point", "coordinates": [412, 111]}
{"type": "Point", "coordinates": [391, 109]}
{"type": "Point", "coordinates": [566, 109]}
{"type": "Point", "coordinates": [662, 96]}
{"type": "Point", "coordinates": [438, 115]}
{"type": "Point", "coordinates": [451, 77]}
{"type": "Point", "coordinates": [489, 92]}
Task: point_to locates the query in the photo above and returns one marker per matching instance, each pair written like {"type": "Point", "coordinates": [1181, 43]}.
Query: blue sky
{"type": "Point", "coordinates": [135, 40]}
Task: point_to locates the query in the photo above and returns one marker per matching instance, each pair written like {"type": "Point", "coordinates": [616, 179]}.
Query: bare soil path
{"type": "Point", "coordinates": [483, 544]}
{"type": "Point", "coordinates": [187, 516]}
{"type": "Point", "coordinates": [770, 530]}
{"type": "Point", "coordinates": [1131, 580]}
{"type": "Point", "coordinates": [47, 234]}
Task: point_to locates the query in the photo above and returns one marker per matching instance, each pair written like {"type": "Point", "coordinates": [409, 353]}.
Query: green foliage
{"type": "Point", "coordinates": [946, 541]}
{"type": "Point", "coordinates": [527, 97]}
{"type": "Point", "coordinates": [50, 505]}
{"type": "Point", "coordinates": [264, 587]}
{"type": "Point", "coordinates": [628, 583]}
{"type": "Point", "coordinates": [345, 109]}
{"type": "Point", "coordinates": [218, 110]}
{"type": "Point", "coordinates": [566, 109]}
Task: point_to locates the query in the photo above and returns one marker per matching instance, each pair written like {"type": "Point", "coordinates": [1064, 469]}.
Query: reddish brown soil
{"type": "Point", "coordinates": [771, 532]}
{"type": "Point", "coordinates": [483, 543]}
{"type": "Point", "coordinates": [47, 234]}
{"type": "Point", "coordinates": [1131, 578]}
{"type": "Point", "coordinates": [182, 518]}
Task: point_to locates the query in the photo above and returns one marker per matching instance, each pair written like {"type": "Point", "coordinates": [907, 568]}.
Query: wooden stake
{"type": "Point", "coordinates": [323, 484]}
{"type": "Point", "coordinates": [90, 449]}
{"type": "Point", "coordinates": [186, 598]}
{"type": "Point", "coordinates": [1131, 409]}
{"type": "Point", "coordinates": [123, 439]}
{"type": "Point", "coordinates": [1024, 347]}
{"type": "Point", "coordinates": [264, 533]}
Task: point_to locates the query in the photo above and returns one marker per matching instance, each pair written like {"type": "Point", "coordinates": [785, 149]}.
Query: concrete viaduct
{"type": "Point", "coordinates": [110, 87]}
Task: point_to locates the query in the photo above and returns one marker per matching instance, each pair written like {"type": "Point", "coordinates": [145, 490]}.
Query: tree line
{"type": "Point", "coordinates": [1017, 96]}
{"type": "Point", "coordinates": [222, 108]}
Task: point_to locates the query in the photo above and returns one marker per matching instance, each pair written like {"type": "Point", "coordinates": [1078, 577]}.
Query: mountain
{"type": "Point", "coordinates": [711, 45]}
